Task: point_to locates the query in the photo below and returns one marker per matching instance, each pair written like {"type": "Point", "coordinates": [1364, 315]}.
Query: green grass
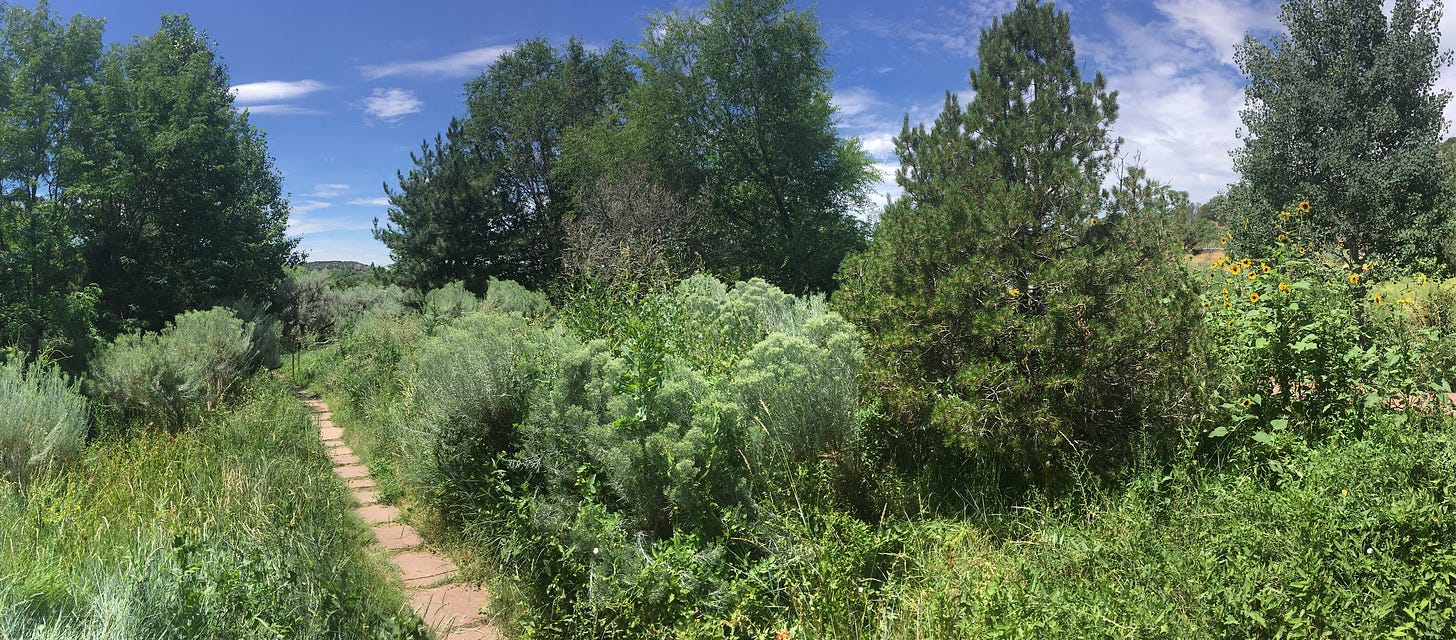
{"type": "Point", "coordinates": [235, 528]}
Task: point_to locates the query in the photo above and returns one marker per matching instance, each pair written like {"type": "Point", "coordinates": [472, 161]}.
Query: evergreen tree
{"type": "Point", "coordinates": [1011, 310]}
{"type": "Point", "coordinates": [1342, 111]}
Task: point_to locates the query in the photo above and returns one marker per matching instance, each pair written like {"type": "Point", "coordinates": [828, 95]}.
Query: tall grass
{"type": "Point", "coordinates": [233, 529]}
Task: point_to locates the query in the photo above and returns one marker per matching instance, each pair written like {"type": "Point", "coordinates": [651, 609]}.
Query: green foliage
{"type": "Point", "coordinates": [733, 116]}
{"type": "Point", "coordinates": [43, 419]}
{"type": "Point", "coordinates": [1011, 312]}
{"type": "Point", "coordinates": [448, 303]}
{"type": "Point", "coordinates": [162, 378]}
{"type": "Point", "coordinates": [1342, 110]}
{"type": "Point", "coordinates": [235, 529]}
{"type": "Point", "coordinates": [1312, 352]}
{"type": "Point", "coordinates": [45, 306]}
{"type": "Point", "coordinates": [483, 202]}
{"type": "Point", "coordinates": [507, 296]}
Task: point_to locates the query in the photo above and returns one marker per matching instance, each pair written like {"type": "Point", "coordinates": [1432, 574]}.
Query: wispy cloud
{"type": "Point", "coordinates": [381, 201]}
{"type": "Point", "coordinates": [329, 190]}
{"type": "Point", "coordinates": [389, 105]}
{"type": "Point", "coordinates": [455, 65]}
{"type": "Point", "coordinates": [280, 110]}
{"type": "Point", "coordinates": [1218, 25]}
{"type": "Point", "coordinates": [304, 224]}
{"type": "Point", "coordinates": [954, 29]}
{"type": "Point", "coordinates": [310, 205]}
{"type": "Point", "coordinates": [274, 97]}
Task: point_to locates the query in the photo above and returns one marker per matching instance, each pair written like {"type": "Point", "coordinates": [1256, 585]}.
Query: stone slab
{"type": "Point", "coordinates": [378, 513]}
{"type": "Point", "coordinates": [351, 471]}
{"type": "Point", "coordinates": [397, 537]}
{"type": "Point", "coordinates": [344, 459]}
{"type": "Point", "coordinates": [451, 605]}
{"type": "Point", "coordinates": [330, 433]}
{"type": "Point", "coordinates": [475, 633]}
{"type": "Point", "coordinates": [364, 482]}
{"type": "Point", "coordinates": [334, 444]}
{"type": "Point", "coordinates": [420, 568]}
{"type": "Point", "coordinates": [366, 497]}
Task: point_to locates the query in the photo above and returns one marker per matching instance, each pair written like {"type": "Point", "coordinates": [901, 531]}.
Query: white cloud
{"type": "Point", "coordinates": [1218, 25]}
{"type": "Point", "coordinates": [381, 201]}
{"type": "Point", "coordinates": [455, 65]}
{"type": "Point", "coordinates": [280, 110]}
{"type": "Point", "coordinates": [302, 223]}
{"type": "Point", "coordinates": [275, 90]}
{"type": "Point", "coordinates": [311, 205]}
{"type": "Point", "coordinates": [329, 190]}
{"type": "Point", "coordinates": [389, 105]}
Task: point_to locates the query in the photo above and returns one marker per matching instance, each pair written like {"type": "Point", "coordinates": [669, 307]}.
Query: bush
{"type": "Point", "coordinates": [506, 295]}
{"type": "Point", "coordinates": [448, 303]}
{"type": "Point", "coordinates": [472, 383]}
{"type": "Point", "coordinates": [266, 340]}
{"type": "Point", "coordinates": [162, 377]}
{"type": "Point", "coordinates": [42, 419]}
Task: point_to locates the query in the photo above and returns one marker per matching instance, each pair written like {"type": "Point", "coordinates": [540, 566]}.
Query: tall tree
{"type": "Point", "coordinates": [1012, 310]}
{"type": "Point", "coordinates": [1342, 111]}
{"type": "Point", "coordinates": [43, 302]}
{"type": "Point", "coordinates": [179, 204]}
{"type": "Point", "coordinates": [733, 115]}
{"type": "Point", "coordinates": [500, 212]}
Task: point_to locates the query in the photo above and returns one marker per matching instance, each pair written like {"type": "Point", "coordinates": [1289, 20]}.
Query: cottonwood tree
{"type": "Point", "coordinates": [733, 117]}
{"type": "Point", "coordinates": [486, 202]}
{"type": "Point", "coordinates": [178, 203]}
{"type": "Point", "coordinates": [1342, 111]}
{"type": "Point", "coordinates": [1012, 311]}
{"type": "Point", "coordinates": [44, 303]}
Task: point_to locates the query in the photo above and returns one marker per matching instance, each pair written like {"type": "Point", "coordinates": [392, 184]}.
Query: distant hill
{"type": "Point", "coordinates": [336, 265]}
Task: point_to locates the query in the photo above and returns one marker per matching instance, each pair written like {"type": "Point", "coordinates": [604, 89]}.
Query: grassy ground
{"type": "Point", "coordinates": [233, 529]}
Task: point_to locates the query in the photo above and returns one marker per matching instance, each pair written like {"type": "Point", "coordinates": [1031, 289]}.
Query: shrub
{"type": "Point", "coordinates": [349, 305]}
{"type": "Point", "coordinates": [266, 339]}
{"type": "Point", "coordinates": [161, 377]}
{"type": "Point", "coordinates": [506, 295]}
{"type": "Point", "coordinates": [42, 419]}
{"type": "Point", "coordinates": [448, 303]}
{"type": "Point", "coordinates": [472, 383]}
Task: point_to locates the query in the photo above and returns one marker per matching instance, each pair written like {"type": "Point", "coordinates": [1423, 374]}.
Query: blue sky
{"type": "Point", "coordinates": [346, 90]}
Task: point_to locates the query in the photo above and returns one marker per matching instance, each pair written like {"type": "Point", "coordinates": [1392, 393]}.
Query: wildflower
{"type": "Point", "coordinates": [1246, 402]}
{"type": "Point", "coordinates": [1301, 251]}
{"type": "Point", "coordinates": [1420, 278]}
{"type": "Point", "coordinates": [1365, 267]}
{"type": "Point", "coordinates": [1354, 278]}
{"type": "Point", "coordinates": [1284, 287]}
{"type": "Point", "coordinates": [1344, 492]}
{"type": "Point", "coordinates": [1282, 238]}
{"type": "Point", "coordinates": [1223, 239]}
{"type": "Point", "coordinates": [1253, 297]}
{"type": "Point", "coordinates": [1013, 292]}
{"type": "Point", "coordinates": [781, 635]}
{"type": "Point", "coordinates": [1253, 275]}
{"type": "Point", "coordinates": [1092, 221]}
{"type": "Point", "coordinates": [1284, 214]}
{"type": "Point", "coordinates": [1304, 206]}
{"type": "Point", "coordinates": [1205, 304]}
{"type": "Point", "coordinates": [1264, 267]}
{"type": "Point", "coordinates": [1247, 262]}
{"type": "Point", "coordinates": [1405, 300]}
{"type": "Point", "coordinates": [1379, 299]}
{"type": "Point", "coordinates": [1235, 269]}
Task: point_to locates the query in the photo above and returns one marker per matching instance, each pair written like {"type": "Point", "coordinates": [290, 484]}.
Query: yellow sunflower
{"type": "Point", "coordinates": [1304, 206]}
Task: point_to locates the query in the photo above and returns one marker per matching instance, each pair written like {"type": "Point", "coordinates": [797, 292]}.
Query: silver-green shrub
{"type": "Point", "coordinates": [348, 305]}
{"type": "Point", "coordinates": [448, 303]}
{"type": "Point", "coordinates": [801, 392]}
{"type": "Point", "coordinates": [472, 384]}
{"type": "Point", "coordinates": [507, 295]}
{"type": "Point", "coordinates": [42, 419]}
{"type": "Point", "coordinates": [161, 377]}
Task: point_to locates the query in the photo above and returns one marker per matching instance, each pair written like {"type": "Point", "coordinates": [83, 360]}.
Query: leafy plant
{"type": "Point", "coordinates": [43, 419]}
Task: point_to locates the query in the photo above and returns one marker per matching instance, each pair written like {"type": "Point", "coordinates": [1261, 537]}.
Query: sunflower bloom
{"type": "Point", "coordinates": [1354, 278]}
{"type": "Point", "coordinates": [1013, 292]}
{"type": "Point", "coordinates": [1247, 262]}
{"type": "Point", "coordinates": [1282, 239]}
{"type": "Point", "coordinates": [1379, 299]}
{"type": "Point", "coordinates": [1264, 267]}
{"type": "Point", "coordinates": [1235, 268]}
{"type": "Point", "coordinates": [1420, 278]}
{"type": "Point", "coordinates": [1253, 297]}
{"type": "Point", "coordinates": [1284, 287]}
{"type": "Point", "coordinates": [1246, 402]}
{"type": "Point", "coordinates": [1304, 206]}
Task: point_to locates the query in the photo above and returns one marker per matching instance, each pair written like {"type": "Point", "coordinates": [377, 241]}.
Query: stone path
{"type": "Point", "coordinates": [452, 609]}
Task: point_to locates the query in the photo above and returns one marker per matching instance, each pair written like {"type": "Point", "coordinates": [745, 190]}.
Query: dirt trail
{"type": "Point", "coordinates": [451, 608]}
